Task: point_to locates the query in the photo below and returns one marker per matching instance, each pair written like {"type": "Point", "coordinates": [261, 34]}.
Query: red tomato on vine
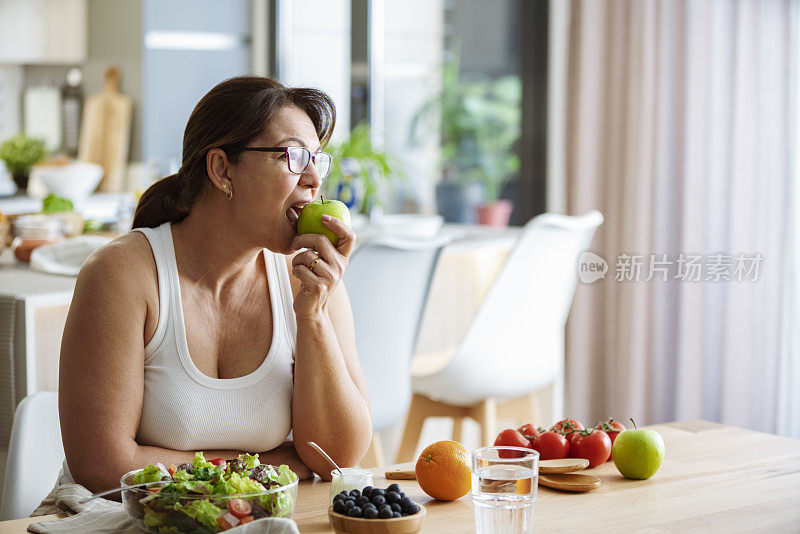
{"type": "Point", "coordinates": [612, 428]}
{"type": "Point", "coordinates": [594, 445]}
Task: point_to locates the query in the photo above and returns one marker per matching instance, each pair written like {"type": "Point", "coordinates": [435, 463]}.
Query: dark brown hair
{"type": "Point", "coordinates": [232, 114]}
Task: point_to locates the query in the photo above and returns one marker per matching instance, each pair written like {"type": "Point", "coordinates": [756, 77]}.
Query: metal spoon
{"type": "Point", "coordinates": [325, 454]}
{"type": "Point", "coordinates": [107, 492]}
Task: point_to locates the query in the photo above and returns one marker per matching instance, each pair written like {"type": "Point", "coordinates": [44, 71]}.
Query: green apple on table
{"type": "Point", "coordinates": [310, 219]}
{"type": "Point", "coordinates": [638, 453]}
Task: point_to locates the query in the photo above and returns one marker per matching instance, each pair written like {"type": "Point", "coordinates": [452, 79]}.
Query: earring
{"type": "Point", "coordinates": [228, 192]}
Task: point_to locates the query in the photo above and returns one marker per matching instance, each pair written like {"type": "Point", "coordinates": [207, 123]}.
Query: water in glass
{"type": "Point", "coordinates": [504, 491]}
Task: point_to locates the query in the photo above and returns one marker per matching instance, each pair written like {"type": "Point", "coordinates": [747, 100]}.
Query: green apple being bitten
{"type": "Point", "coordinates": [310, 219]}
{"type": "Point", "coordinates": [638, 453]}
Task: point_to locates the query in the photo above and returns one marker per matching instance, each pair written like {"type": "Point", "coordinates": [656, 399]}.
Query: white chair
{"type": "Point", "coordinates": [387, 280]}
{"type": "Point", "coordinates": [515, 343]}
{"type": "Point", "coordinates": [35, 455]}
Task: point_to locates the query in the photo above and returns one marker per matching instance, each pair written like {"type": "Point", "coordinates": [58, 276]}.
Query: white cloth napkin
{"type": "Point", "coordinates": [102, 516]}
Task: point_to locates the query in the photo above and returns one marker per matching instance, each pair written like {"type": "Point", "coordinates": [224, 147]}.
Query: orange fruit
{"type": "Point", "coordinates": [443, 470]}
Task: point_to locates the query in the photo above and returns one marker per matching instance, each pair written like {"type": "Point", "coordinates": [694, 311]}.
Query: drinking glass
{"type": "Point", "coordinates": [504, 483]}
{"type": "Point", "coordinates": [351, 478]}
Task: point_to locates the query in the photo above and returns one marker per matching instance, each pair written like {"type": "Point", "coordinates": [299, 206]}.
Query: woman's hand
{"type": "Point", "coordinates": [320, 268]}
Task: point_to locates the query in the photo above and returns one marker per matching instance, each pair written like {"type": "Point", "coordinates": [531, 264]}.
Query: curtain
{"type": "Point", "coordinates": [681, 127]}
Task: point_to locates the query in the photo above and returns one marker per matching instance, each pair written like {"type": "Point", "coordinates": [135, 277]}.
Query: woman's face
{"type": "Point", "coordinates": [265, 192]}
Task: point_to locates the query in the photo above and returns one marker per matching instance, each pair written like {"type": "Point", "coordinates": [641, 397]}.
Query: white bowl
{"type": "Point", "coordinates": [75, 180]}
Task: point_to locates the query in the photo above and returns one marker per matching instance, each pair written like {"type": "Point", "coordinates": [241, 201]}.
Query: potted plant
{"type": "Point", "coordinates": [479, 123]}
{"type": "Point", "coordinates": [497, 108]}
{"type": "Point", "coordinates": [359, 171]}
{"type": "Point", "coordinates": [20, 153]}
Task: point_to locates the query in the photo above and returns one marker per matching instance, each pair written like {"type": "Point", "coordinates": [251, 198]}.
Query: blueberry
{"type": "Point", "coordinates": [397, 514]}
{"type": "Point", "coordinates": [392, 496]}
{"type": "Point", "coordinates": [370, 512]}
{"type": "Point", "coordinates": [405, 501]}
{"type": "Point", "coordinates": [349, 503]}
{"type": "Point", "coordinates": [343, 494]}
{"type": "Point", "coordinates": [367, 491]}
{"type": "Point", "coordinates": [385, 512]}
{"type": "Point", "coordinates": [396, 507]}
{"type": "Point", "coordinates": [339, 507]}
{"type": "Point", "coordinates": [378, 500]}
{"type": "Point", "coordinates": [361, 501]}
{"type": "Point", "coordinates": [355, 493]}
{"type": "Point", "coordinates": [411, 509]}
{"type": "Point", "coordinates": [402, 495]}
{"type": "Point", "coordinates": [355, 511]}
{"type": "Point", "coordinates": [377, 491]}
{"type": "Point", "coordinates": [394, 487]}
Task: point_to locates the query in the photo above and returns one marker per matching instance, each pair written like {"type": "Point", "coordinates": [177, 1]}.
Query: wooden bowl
{"type": "Point", "coordinates": [409, 524]}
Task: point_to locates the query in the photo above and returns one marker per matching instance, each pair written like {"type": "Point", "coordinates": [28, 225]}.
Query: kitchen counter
{"type": "Point", "coordinates": [101, 207]}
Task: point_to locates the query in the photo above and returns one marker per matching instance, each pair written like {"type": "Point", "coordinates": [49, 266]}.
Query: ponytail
{"type": "Point", "coordinates": [162, 202]}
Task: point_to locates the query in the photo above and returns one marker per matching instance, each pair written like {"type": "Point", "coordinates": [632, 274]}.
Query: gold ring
{"type": "Point", "coordinates": [313, 264]}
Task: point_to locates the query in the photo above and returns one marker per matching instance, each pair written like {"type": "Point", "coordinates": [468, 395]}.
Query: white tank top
{"type": "Point", "coordinates": [184, 409]}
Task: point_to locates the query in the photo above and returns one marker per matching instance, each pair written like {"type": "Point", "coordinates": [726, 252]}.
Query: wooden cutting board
{"type": "Point", "coordinates": [106, 130]}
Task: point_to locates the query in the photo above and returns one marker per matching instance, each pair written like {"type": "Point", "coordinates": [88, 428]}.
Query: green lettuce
{"type": "Point", "coordinates": [203, 511]}
{"type": "Point", "coordinates": [200, 461]}
{"type": "Point", "coordinates": [154, 519]}
{"type": "Point", "coordinates": [279, 504]}
{"type": "Point", "coordinates": [182, 475]}
{"type": "Point", "coordinates": [250, 460]}
{"type": "Point", "coordinates": [237, 484]}
{"type": "Point", "coordinates": [284, 475]}
{"type": "Point", "coordinates": [242, 484]}
{"type": "Point", "coordinates": [169, 530]}
{"type": "Point", "coordinates": [53, 203]}
{"type": "Point", "coordinates": [151, 473]}
{"type": "Point", "coordinates": [207, 473]}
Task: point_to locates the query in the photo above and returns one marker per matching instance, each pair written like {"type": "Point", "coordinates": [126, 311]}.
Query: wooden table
{"type": "Point", "coordinates": [714, 478]}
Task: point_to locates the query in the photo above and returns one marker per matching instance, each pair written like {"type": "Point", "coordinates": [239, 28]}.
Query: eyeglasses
{"type": "Point", "coordinates": [298, 158]}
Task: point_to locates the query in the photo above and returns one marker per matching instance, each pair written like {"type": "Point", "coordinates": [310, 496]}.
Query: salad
{"type": "Point", "coordinates": [209, 496]}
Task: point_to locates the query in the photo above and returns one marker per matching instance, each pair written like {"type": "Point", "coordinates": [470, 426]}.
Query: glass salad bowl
{"type": "Point", "coordinates": [208, 496]}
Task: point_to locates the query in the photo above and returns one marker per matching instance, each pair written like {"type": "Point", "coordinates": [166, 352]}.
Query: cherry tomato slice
{"type": "Point", "coordinates": [218, 461]}
{"type": "Point", "coordinates": [240, 507]}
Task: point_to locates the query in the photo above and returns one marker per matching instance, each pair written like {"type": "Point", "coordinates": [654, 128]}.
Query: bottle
{"type": "Point", "coordinates": [71, 104]}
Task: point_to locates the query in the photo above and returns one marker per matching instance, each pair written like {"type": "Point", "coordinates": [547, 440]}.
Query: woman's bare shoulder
{"type": "Point", "coordinates": [127, 260]}
{"type": "Point", "coordinates": [120, 277]}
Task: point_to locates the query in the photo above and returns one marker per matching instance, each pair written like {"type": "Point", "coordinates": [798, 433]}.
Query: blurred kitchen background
{"type": "Point", "coordinates": [677, 120]}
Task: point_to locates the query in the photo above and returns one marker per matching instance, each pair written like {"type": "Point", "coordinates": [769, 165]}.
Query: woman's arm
{"type": "Point", "coordinates": [113, 314]}
{"type": "Point", "coordinates": [330, 404]}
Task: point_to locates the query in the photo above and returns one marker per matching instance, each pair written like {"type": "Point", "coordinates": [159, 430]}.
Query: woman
{"type": "Point", "coordinates": [214, 326]}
